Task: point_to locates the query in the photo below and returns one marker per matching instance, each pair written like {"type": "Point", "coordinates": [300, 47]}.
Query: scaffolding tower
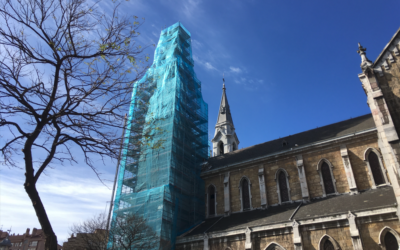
{"type": "Point", "coordinates": [159, 178]}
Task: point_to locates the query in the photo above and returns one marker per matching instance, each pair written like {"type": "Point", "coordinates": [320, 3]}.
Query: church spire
{"type": "Point", "coordinates": [225, 139]}
{"type": "Point", "coordinates": [224, 114]}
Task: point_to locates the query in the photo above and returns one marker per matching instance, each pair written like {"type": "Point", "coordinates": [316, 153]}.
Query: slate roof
{"type": "Point", "coordinates": [367, 200]}
{"type": "Point", "coordinates": [331, 131]}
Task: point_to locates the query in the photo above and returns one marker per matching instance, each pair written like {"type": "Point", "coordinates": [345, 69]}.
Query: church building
{"type": "Point", "coordinates": [333, 187]}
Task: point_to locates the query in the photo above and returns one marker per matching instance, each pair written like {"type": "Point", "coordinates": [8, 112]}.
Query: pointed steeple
{"type": "Point", "coordinates": [224, 114]}
{"type": "Point", "coordinates": [225, 139]}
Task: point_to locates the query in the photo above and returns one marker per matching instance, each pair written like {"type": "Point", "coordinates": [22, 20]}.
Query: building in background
{"type": "Point", "coordinates": [81, 241]}
{"type": "Point", "coordinates": [333, 187]}
{"type": "Point", "coordinates": [159, 179]}
{"type": "Point", "coordinates": [26, 241]}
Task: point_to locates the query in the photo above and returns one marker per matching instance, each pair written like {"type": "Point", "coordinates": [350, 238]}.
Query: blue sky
{"type": "Point", "coordinates": [289, 66]}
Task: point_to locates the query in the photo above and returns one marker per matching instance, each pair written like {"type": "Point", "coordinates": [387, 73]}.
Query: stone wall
{"type": "Point", "coordinates": [369, 229]}
{"type": "Point", "coordinates": [284, 240]}
{"type": "Point", "coordinates": [228, 243]}
{"type": "Point", "coordinates": [370, 232]}
{"type": "Point", "coordinates": [356, 149]}
{"type": "Point", "coordinates": [390, 86]}
{"type": "Point", "coordinates": [342, 236]}
{"type": "Point", "coordinates": [235, 178]}
{"type": "Point", "coordinates": [271, 168]}
{"type": "Point", "coordinates": [218, 182]}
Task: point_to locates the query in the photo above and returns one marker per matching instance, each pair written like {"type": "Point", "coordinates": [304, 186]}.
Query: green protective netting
{"type": "Point", "coordinates": [163, 185]}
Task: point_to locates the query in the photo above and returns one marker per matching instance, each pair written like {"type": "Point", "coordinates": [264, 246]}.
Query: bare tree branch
{"type": "Point", "coordinates": [66, 76]}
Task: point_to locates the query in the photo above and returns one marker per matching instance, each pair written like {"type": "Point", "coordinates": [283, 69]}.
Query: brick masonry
{"type": "Point", "coordinates": [342, 236]}
{"type": "Point", "coordinates": [390, 85]}
{"type": "Point", "coordinates": [356, 149]}
{"type": "Point", "coordinates": [370, 232]}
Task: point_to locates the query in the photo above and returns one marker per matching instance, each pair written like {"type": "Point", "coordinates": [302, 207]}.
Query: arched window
{"type": "Point", "coordinates": [391, 242]}
{"type": "Point", "coordinates": [283, 187]}
{"type": "Point", "coordinates": [375, 168]}
{"type": "Point", "coordinates": [234, 147]}
{"type": "Point", "coordinates": [211, 200]}
{"type": "Point", "coordinates": [328, 243]}
{"type": "Point", "coordinates": [328, 182]}
{"type": "Point", "coordinates": [245, 194]}
{"type": "Point", "coordinates": [274, 246]}
{"type": "Point", "coordinates": [221, 148]}
{"type": "Point", "coordinates": [389, 239]}
{"type": "Point", "coordinates": [327, 178]}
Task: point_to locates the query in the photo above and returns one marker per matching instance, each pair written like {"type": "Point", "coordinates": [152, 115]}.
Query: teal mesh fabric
{"type": "Point", "coordinates": [163, 185]}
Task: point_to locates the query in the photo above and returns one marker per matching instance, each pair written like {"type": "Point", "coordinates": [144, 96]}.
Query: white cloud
{"type": "Point", "coordinates": [196, 44]}
{"type": "Point", "coordinates": [209, 66]}
{"type": "Point", "coordinates": [235, 70]}
{"type": "Point", "coordinates": [204, 64]}
{"type": "Point", "coordinates": [190, 7]}
{"type": "Point", "coordinates": [249, 84]}
{"type": "Point", "coordinates": [70, 195]}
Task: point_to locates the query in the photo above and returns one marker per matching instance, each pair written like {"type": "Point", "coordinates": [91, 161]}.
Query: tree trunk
{"type": "Point", "coordinates": [30, 188]}
{"type": "Point", "coordinates": [51, 238]}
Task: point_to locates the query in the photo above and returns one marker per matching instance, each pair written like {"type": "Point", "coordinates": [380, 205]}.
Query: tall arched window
{"type": "Point", "coordinates": [328, 182]}
{"type": "Point", "coordinates": [328, 245]}
{"type": "Point", "coordinates": [211, 200]}
{"type": "Point", "coordinates": [391, 242]}
{"type": "Point", "coordinates": [221, 148]}
{"type": "Point", "coordinates": [283, 187]}
{"type": "Point", "coordinates": [245, 194]}
{"type": "Point", "coordinates": [327, 179]}
{"type": "Point", "coordinates": [389, 239]}
{"type": "Point", "coordinates": [274, 246]}
{"type": "Point", "coordinates": [375, 168]}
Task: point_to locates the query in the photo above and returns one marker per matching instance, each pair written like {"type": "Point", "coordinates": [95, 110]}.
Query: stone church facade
{"type": "Point", "coordinates": [333, 187]}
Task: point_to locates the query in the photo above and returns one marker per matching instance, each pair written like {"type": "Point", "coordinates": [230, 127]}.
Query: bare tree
{"type": "Point", "coordinates": [128, 232]}
{"type": "Point", "coordinates": [66, 74]}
